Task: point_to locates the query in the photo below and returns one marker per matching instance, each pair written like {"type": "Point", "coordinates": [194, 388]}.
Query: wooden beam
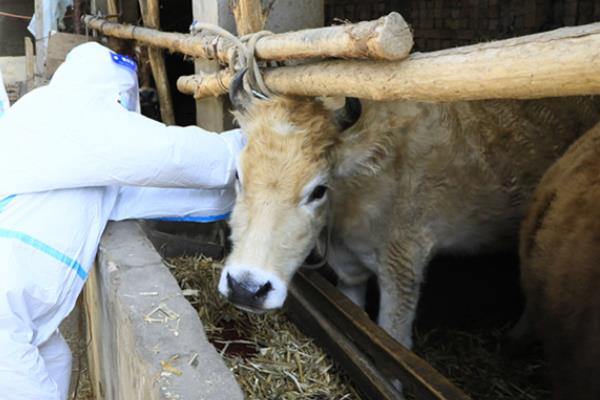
{"type": "Point", "coordinates": [112, 7]}
{"type": "Point", "coordinates": [248, 16]}
{"type": "Point", "coordinates": [40, 40]}
{"type": "Point", "coordinates": [211, 112]}
{"type": "Point", "coordinates": [387, 38]}
{"type": "Point", "coordinates": [562, 62]}
{"type": "Point", "coordinates": [151, 18]}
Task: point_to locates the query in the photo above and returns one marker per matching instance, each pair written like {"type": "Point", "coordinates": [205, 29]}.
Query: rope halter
{"type": "Point", "coordinates": [244, 56]}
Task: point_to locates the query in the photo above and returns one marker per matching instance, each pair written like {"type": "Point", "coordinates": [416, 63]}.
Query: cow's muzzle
{"type": "Point", "coordinates": [252, 289]}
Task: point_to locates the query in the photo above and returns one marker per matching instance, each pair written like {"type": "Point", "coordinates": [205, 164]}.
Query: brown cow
{"type": "Point", "coordinates": [560, 269]}
{"type": "Point", "coordinates": [394, 183]}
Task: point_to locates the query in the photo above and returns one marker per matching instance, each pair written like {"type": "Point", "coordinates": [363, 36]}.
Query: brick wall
{"type": "Point", "coordinates": [439, 24]}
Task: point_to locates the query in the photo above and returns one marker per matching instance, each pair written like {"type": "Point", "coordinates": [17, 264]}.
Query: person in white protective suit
{"type": "Point", "coordinates": [72, 157]}
{"type": "Point", "coordinates": [4, 103]}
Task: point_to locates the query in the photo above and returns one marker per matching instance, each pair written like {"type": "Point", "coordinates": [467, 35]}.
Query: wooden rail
{"type": "Point", "coordinates": [387, 38]}
{"type": "Point", "coordinates": [562, 62]}
{"type": "Point", "coordinates": [367, 353]}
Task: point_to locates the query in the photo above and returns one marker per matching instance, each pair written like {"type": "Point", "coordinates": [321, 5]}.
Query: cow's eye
{"type": "Point", "coordinates": [317, 193]}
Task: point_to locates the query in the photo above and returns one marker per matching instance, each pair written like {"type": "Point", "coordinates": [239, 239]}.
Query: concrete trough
{"type": "Point", "coordinates": [145, 339]}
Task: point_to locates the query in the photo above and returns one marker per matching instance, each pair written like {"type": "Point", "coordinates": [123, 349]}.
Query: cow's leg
{"type": "Point", "coordinates": [521, 336]}
{"type": "Point", "coordinates": [400, 279]}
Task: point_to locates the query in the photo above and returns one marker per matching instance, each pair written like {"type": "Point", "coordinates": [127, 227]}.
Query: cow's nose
{"type": "Point", "coordinates": [246, 293]}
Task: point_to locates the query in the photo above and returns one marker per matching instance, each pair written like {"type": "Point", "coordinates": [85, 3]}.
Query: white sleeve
{"type": "Point", "coordinates": [111, 146]}
{"type": "Point", "coordinates": [4, 103]}
{"type": "Point", "coordinates": [193, 205]}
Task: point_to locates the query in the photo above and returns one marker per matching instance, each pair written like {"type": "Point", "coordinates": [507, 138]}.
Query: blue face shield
{"type": "Point", "coordinates": [128, 96]}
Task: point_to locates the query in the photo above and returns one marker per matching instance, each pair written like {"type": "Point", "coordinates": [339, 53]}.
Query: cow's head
{"type": "Point", "coordinates": [282, 184]}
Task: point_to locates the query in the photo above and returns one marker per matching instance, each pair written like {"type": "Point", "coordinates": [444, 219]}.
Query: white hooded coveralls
{"type": "Point", "coordinates": [71, 159]}
{"type": "Point", "coordinates": [4, 103]}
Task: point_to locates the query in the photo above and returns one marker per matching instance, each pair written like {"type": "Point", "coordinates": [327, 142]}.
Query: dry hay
{"type": "Point", "coordinates": [272, 359]}
{"type": "Point", "coordinates": [269, 356]}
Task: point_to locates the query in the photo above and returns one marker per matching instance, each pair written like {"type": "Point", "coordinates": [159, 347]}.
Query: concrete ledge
{"type": "Point", "coordinates": [146, 340]}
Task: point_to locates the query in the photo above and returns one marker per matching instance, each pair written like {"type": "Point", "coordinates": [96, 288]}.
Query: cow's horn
{"type": "Point", "coordinates": [237, 94]}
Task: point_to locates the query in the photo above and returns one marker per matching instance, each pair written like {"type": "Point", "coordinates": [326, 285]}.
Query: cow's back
{"type": "Point", "coordinates": [466, 169]}
{"type": "Point", "coordinates": [520, 139]}
{"type": "Point", "coordinates": [560, 259]}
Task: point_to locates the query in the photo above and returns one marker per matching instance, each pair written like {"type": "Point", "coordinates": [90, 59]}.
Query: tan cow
{"type": "Point", "coordinates": [395, 184]}
{"type": "Point", "coordinates": [560, 269]}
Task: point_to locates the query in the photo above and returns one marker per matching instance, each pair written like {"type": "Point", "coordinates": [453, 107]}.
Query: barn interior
{"type": "Point", "coordinates": [469, 301]}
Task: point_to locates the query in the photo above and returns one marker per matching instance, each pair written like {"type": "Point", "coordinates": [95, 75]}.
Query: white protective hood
{"type": "Point", "coordinates": [101, 71]}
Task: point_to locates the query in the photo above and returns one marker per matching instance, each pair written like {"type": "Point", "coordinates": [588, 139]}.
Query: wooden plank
{"type": "Point", "coordinates": [388, 356]}
{"type": "Point", "coordinates": [170, 245]}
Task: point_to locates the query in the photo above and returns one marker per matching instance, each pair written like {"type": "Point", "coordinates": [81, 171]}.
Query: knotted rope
{"type": "Point", "coordinates": [244, 55]}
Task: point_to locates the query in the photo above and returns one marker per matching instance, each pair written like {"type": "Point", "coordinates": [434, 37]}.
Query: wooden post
{"type": "Point", "coordinates": [40, 41]}
{"type": "Point", "coordinates": [77, 16]}
{"type": "Point", "coordinates": [112, 7]}
{"type": "Point", "coordinates": [29, 64]}
{"type": "Point", "coordinates": [284, 16]}
{"type": "Point", "coordinates": [211, 113]}
{"type": "Point", "coordinates": [151, 17]}
{"type": "Point", "coordinates": [248, 16]}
